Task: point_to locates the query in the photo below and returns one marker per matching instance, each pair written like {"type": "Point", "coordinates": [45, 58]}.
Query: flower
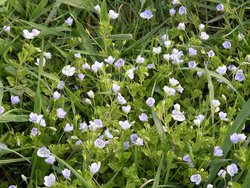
{"type": "Point", "coordinates": [150, 101]}
{"type": "Point", "coordinates": [91, 94]}
{"type": "Point", "coordinates": [167, 43]}
{"type": "Point", "coordinates": [95, 167]}
{"type": "Point", "coordinates": [68, 128]}
{"type": "Point", "coordinates": [166, 57]}
{"type": "Point", "coordinates": [60, 113]}
{"type": "Point", "coordinates": [50, 159]}
{"type": "Point", "coordinates": [140, 59]}
{"type": "Point", "coordinates": [176, 56]}
{"type": "Point", "coordinates": [97, 8]}
{"type": "Point", "coordinates": [14, 99]}
{"type": "Point", "coordinates": [173, 82]}
{"type": "Point", "coordinates": [97, 123]}
{"type": "Point", "coordinates": [96, 66]}
{"type": "Point", "coordinates": [226, 44]}
{"type": "Point", "coordinates": [220, 7]}
{"type": "Point", "coordinates": [108, 134]}
{"type": "Point", "coordinates": [119, 63]}
{"type": "Point", "coordinates": [86, 66]}
{"type": "Point", "coordinates": [121, 99]}
{"type": "Point", "coordinates": [126, 109]}
{"type": "Point", "coordinates": [113, 15]}
{"type": "Point", "coordinates": [196, 178]}
{"type": "Point", "coordinates": [12, 186]}
{"type": "Point", "coordinates": [143, 117]}
{"type": "Point", "coordinates": [172, 11]}
{"type": "Point", "coordinates": [60, 85]}
{"type": "Point", "coordinates": [239, 76]}
{"type": "Point", "coordinates": [83, 126]}
{"type": "Point", "coordinates": [187, 158]}
{"type": "Point", "coordinates": [204, 36]}
{"type": "Point", "coordinates": [125, 145]}
{"type": "Point", "coordinates": [68, 70]}
{"type": "Point", "coordinates": [221, 70]}
{"type": "Point", "coordinates": [178, 116]}
{"type": "Point", "coordinates": [43, 152]}
{"type": "Point", "coordinates": [216, 104]}
{"type": "Point", "coordinates": [109, 60]}
{"type": "Point", "coordinates": [199, 73]}
{"type": "Point", "coordinates": [218, 151]}
{"type": "Point", "coordinates": [69, 21]}
{"type": "Point", "coordinates": [199, 119]}
{"type": "Point", "coordinates": [136, 140]}
{"type": "Point", "coordinates": [130, 73]}
{"type": "Point", "coordinates": [182, 10]}
{"type": "Point", "coordinates": [38, 61]}
{"type": "Point", "coordinates": [81, 76]}
{"type": "Point", "coordinates": [6, 28]}
{"type": "Point", "coordinates": [77, 55]}
{"type": "Point", "coordinates": [146, 14]}
{"type": "Point", "coordinates": [211, 53]}
{"type": "Point", "coordinates": [34, 131]}
{"type": "Point", "coordinates": [125, 124]}
{"type": "Point", "coordinates": [1, 110]}
{"type": "Point", "coordinates": [99, 143]}
{"type": "Point", "coordinates": [30, 35]}
{"type": "Point", "coordinates": [222, 173]}
{"type": "Point", "coordinates": [157, 50]}
{"type": "Point", "coordinates": [181, 26]}
{"type": "Point", "coordinates": [56, 95]}
{"type": "Point", "coordinates": [240, 36]}
{"type": "Point", "coordinates": [66, 173]}
{"type": "Point", "coordinates": [169, 90]}
{"type": "Point", "coordinates": [47, 55]}
{"type": "Point", "coordinates": [201, 27]}
{"type": "Point", "coordinates": [232, 169]}
{"type": "Point", "coordinates": [235, 138]}
{"type": "Point", "coordinates": [49, 180]}
{"type": "Point", "coordinates": [223, 116]}
{"type": "Point", "coordinates": [115, 88]}
{"type": "Point", "coordinates": [191, 64]}
{"type": "Point", "coordinates": [210, 186]}
{"type": "Point", "coordinates": [35, 118]}
{"type": "Point", "coordinates": [192, 51]}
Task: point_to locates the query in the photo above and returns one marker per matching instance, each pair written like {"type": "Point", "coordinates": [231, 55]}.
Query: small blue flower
{"type": "Point", "coordinates": [226, 44]}
{"type": "Point", "coordinates": [182, 10]}
{"type": "Point", "coordinates": [147, 14]}
{"type": "Point", "coordinates": [218, 151]}
{"type": "Point", "coordinates": [239, 76]}
{"type": "Point", "coordinates": [172, 12]}
{"type": "Point", "coordinates": [191, 64]}
{"type": "Point", "coordinates": [232, 169]}
{"type": "Point", "coordinates": [220, 7]}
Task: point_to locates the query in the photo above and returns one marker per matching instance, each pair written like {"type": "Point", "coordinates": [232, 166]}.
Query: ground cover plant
{"type": "Point", "coordinates": [112, 93]}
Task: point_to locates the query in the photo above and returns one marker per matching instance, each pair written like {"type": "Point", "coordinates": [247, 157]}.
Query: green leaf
{"type": "Point", "coordinates": [39, 8]}
{"type": "Point", "coordinates": [158, 173]}
{"type": "Point", "coordinates": [5, 118]}
{"type": "Point", "coordinates": [120, 37]}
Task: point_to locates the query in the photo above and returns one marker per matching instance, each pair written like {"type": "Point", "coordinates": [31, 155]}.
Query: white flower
{"type": "Point", "coordinates": [60, 113]}
{"type": "Point", "coordinates": [173, 82]}
{"type": "Point", "coordinates": [241, 36]}
{"type": "Point", "coordinates": [179, 88]}
{"type": "Point", "coordinates": [68, 128]}
{"type": "Point", "coordinates": [86, 66]}
{"type": "Point", "coordinates": [38, 61]}
{"type": "Point", "coordinates": [77, 55]}
{"type": "Point", "coordinates": [91, 94]}
{"type": "Point", "coordinates": [113, 15]}
{"type": "Point", "coordinates": [126, 109]}
{"type": "Point", "coordinates": [130, 73]}
{"type": "Point", "coordinates": [221, 70]}
{"type": "Point", "coordinates": [140, 59]}
{"type": "Point", "coordinates": [177, 107]}
{"type": "Point", "coordinates": [43, 152]}
{"type": "Point", "coordinates": [196, 178]}
{"type": "Point", "coordinates": [49, 180]}
{"type": "Point", "coordinates": [157, 50]}
{"type": "Point", "coordinates": [150, 101]}
{"type": "Point", "coordinates": [181, 26]}
{"type": "Point", "coordinates": [66, 173]}
{"type": "Point", "coordinates": [68, 70]}
{"type": "Point", "coordinates": [47, 55]}
{"type": "Point", "coordinates": [94, 167]}
{"type": "Point", "coordinates": [167, 43]}
{"type": "Point", "coordinates": [201, 27]}
{"type": "Point", "coordinates": [110, 60]}
{"type": "Point", "coordinates": [96, 66]}
{"type": "Point", "coordinates": [166, 57]}
{"type": "Point", "coordinates": [35, 118]}
{"type": "Point", "coordinates": [69, 21]}
{"type": "Point", "coordinates": [30, 35]}
{"type": "Point", "coordinates": [97, 8]}
{"type": "Point", "coordinates": [178, 116]}
{"type": "Point", "coordinates": [169, 90]}
{"type": "Point", "coordinates": [125, 124]}
{"type": "Point", "coordinates": [121, 99]}
{"type": "Point", "coordinates": [6, 28]}
{"type": "Point", "coordinates": [96, 124]}
{"type": "Point", "coordinates": [222, 173]}
{"type": "Point", "coordinates": [147, 14]}
{"type": "Point", "coordinates": [204, 36]}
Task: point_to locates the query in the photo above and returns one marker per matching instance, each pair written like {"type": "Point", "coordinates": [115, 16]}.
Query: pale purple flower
{"type": "Point", "coordinates": [232, 67]}
{"type": "Point", "coordinates": [86, 66]}
{"type": "Point", "coordinates": [66, 173]}
{"type": "Point", "coordinates": [96, 66]}
{"type": "Point", "coordinates": [56, 95]}
{"type": "Point", "coordinates": [136, 140]}
{"type": "Point", "coordinates": [1, 110]}
{"type": "Point", "coordinates": [199, 119]}
{"type": "Point", "coordinates": [175, 2]}
{"type": "Point", "coordinates": [218, 151]}
{"type": "Point", "coordinates": [49, 180]}
{"type": "Point", "coordinates": [30, 35]}
{"type": "Point", "coordinates": [130, 73]}
{"type": "Point", "coordinates": [43, 152]}
{"type": "Point", "coordinates": [95, 167]}
{"type": "Point", "coordinates": [204, 36]}
{"type": "Point", "coordinates": [47, 55]}
{"type": "Point", "coordinates": [239, 76]}
{"type": "Point", "coordinates": [121, 99]}
{"type": "Point", "coordinates": [191, 64]}
{"type": "Point", "coordinates": [68, 70]}
{"type": "Point", "coordinates": [110, 60]}
{"type": "Point", "coordinates": [150, 101]}
{"type": "Point", "coordinates": [157, 50]}
{"type": "Point", "coordinates": [223, 116]}
{"type": "Point", "coordinates": [119, 63]}
{"type": "Point", "coordinates": [221, 70]}
{"type": "Point", "coordinates": [14, 99]}
{"type": "Point", "coordinates": [164, 37]}
{"type": "Point", "coordinates": [34, 131]}
{"type": "Point", "coordinates": [108, 134]}
{"type": "Point", "coordinates": [126, 109]}
{"type": "Point", "coordinates": [140, 59]}
{"type": "Point", "coordinates": [125, 124]}
{"type": "Point", "coordinates": [78, 142]}
{"type": "Point", "coordinates": [226, 44]}
{"type": "Point", "coordinates": [50, 159]}
{"type": "Point", "coordinates": [113, 15]}
{"type": "Point", "coordinates": [35, 118]}
{"type": "Point", "coordinates": [81, 76]}
{"type": "Point", "coordinates": [60, 113]}
{"type": "Point", "coordinates": [77, 55]}
{"type": "Point", "coordinates": [83, 126]}
{"type": "Point", "coordinates": [116, 88]}
{"type": "Point", "coordinates": [196, 178]}
{"type": "Point", "coordinates": [147, 14]}
{"type": "Point", "coordinates": [192, 51]}
{"type": "Point", "coordinates": [143, 117]}
{"type": "Point", "coordinates": [220, 7]}
{"type": "Point", "coordinates": [125, 145]}
{"type": "Point", "coordinates": [42, 123]}
{"type": "Point", "coordinates": [99, 143]}
{"type": "Point", "coordinates": [182, 10]}
{"type": "Point", "coordinates": [232, 169]}
{"type": "Point", "coordinates": [178, 116]}
{"type": "Point", "coordinates": [235, 138]}
{"type": "Point", "coordinates": [169, 91]}
{"type": "Point", "coordinates": [176, 56]}
{"type": "Point", "coordinates": [68, 128]}
{"type": "Point", "coordinates": [181, 26]}
{"type": "Point", "coordinates": [211, 53]}
{"type": "Point", "coordinates": [199, 73]}
{"type": "Point", "coordinates": [172, 11]}
{"type": "Point", "coordinates": [60, 85]}
{"type": "Point", "coordinates": [69, 21]}
{"type": "Point", "coordinates": [96, 124]}
{"type": "Point", "coordinates": [12, 186]}
{"type": "Point", "coordinates": [173, 82]}
{"type": "Point", "coordinates": [187, 158]}
{"type": "Point", "coordinates": [150, 66]}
